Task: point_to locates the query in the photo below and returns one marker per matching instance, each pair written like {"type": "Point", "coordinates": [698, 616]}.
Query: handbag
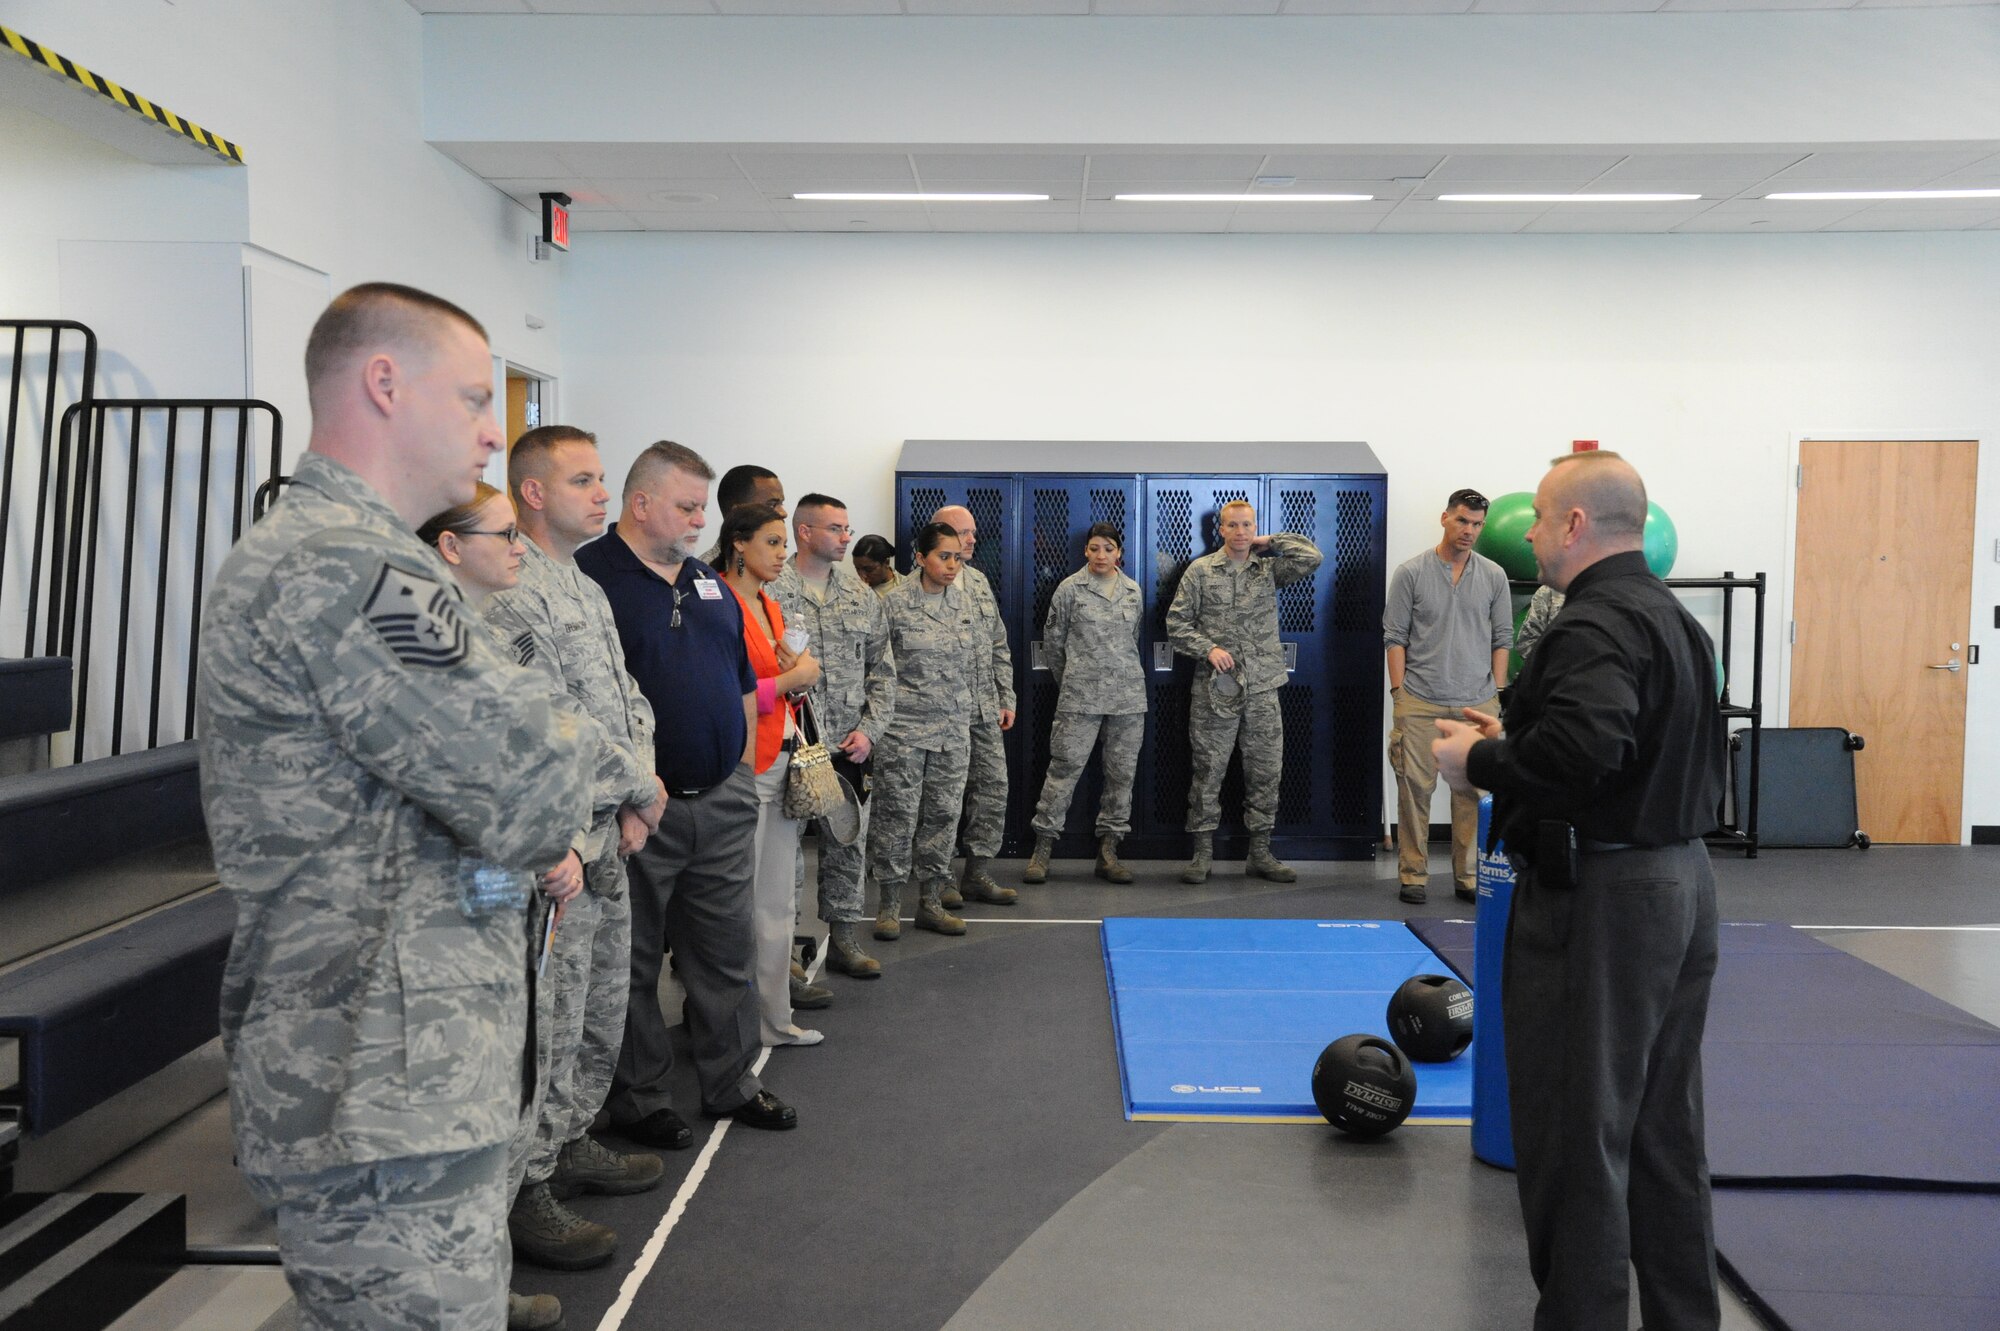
{"type": "Point", "coordinates": [812, 788]}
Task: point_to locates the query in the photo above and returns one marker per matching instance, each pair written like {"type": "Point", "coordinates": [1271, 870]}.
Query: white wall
{"type": "Point", "coordinates": [1463, 360]}
{"type": "Point", "coordinates": [327, 102]}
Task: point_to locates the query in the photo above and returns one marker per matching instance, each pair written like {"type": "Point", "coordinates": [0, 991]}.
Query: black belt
{"type": "Point", "coordinates": [1606, 847]}
{"type": "Point", "coordinates": [692, 794]}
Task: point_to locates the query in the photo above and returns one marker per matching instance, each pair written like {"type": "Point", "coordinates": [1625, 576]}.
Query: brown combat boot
{"type": "Point", "coordinates": [888, 915]}
{"type": "Point", "coordinates": [932, 915]}
{"type": "Point", "coordinates": [845, 956]}
{"type": "Point", "coordinates": [547, 1233]}
{"type": "Point", "coordinates": [1198, 867]}
{"type": "Point", "coordinates": [1264, 864]}
{"type": "Point", "coordinates": [1109, 867]}
{"type": "Point", "coordinates": [1038, 863]}
{"type": "Point", "coordinates": [978, 884]}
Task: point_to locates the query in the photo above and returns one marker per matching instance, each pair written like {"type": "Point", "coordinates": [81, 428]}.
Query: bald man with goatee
{"type": "Point", "coordinates": [1605, 776]}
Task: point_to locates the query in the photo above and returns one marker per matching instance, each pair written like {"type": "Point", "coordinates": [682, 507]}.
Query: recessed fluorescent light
{"type": "Point", "coordinates": [1567, 198]}
{"type": "Point", "coordinates": [1243, 198]}
{"type": "Point", "coordinates": [926, 198]}
{"type": "Point", "coordinates": [1891, 194]}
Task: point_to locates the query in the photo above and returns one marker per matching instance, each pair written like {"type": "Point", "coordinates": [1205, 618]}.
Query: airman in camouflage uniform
{"type": "Point", "coordinates": [1090, 643]}
{"type": "Point", "coordinates": [574, 640]}
{"type": "Point", "coordinates": [367, 755]}
{"type": "Point", "coordinates": [1546, 604]}
{"type": "Point", "coordinates": [920, 772]}
{"type": "Point", "coordinates": [849, 633]}
{"type": "Point", "coordinates": [991, 680]}
{"type": "Point", "coordinates": [1225, 615]}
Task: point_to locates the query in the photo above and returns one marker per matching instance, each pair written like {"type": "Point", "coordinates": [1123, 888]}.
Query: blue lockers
{"type": "Point", "coordinates": [1032, 518]}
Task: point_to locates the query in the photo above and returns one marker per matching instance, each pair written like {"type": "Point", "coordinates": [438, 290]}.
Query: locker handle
{"type": "Point", "coordinates": [1163, 656]}
{"type": "Point", "coordinates": [1035, 659]}
{"type": "Point", "coordinates": [1291, 656]}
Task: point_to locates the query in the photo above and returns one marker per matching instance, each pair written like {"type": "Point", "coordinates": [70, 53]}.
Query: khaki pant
{"type": "Point", "coordinates": [1410, 737]}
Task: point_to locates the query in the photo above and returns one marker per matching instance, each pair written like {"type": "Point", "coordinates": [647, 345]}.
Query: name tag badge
{"type": "Point", "coordinates": [708, 588]}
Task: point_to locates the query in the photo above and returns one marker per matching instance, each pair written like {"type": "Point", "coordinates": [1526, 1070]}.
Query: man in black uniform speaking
{"type": "Point", "coordinates": [1608, 772]}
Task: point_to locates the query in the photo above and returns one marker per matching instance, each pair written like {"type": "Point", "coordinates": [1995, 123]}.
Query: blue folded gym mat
{"type": "Point", "coordinates": [1223, 1019]}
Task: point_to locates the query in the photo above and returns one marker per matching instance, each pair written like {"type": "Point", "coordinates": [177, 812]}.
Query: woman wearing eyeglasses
{"type": "Point", "coordinates": [921, 764]}
{"type": "Point", "coordinates": [752, 549]}
{"type": "Point", "coordinates": [483, 547]}
{"type": "Point", "coordinates": [1090, 643]}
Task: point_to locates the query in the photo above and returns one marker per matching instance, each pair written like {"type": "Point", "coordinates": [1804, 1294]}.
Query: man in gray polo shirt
{"type": "Point", "coordinates": [1448, 626]}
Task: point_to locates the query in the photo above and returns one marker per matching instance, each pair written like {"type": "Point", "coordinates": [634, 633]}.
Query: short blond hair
{"type": "Point", "coordinates": [1235, 503]}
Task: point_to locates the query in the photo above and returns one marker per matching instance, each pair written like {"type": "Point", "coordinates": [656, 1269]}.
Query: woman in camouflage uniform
{"type": "Point", "coordinates": [1090, 643]}
{"type": "Point", "coordinates": [921, 764]}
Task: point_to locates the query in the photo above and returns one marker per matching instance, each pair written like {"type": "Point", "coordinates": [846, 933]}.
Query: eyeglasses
{"type": "Point", "coordinates": [1466, 499]}
{"type": "Point", "coordinates": [512, 534]}
{"type": "Point", "coordinates": [675, 622]}
{"type": "Point", "coordinates": [838, 529]}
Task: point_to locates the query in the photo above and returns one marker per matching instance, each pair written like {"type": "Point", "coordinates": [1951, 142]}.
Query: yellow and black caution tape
{"type": "Point", "coordinates": [61, 65]}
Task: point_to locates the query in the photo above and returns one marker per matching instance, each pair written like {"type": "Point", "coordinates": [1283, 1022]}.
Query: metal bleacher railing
{"type": "Point", "coordinates": [51, 364]}
{"type": "Point", "coordinates": [126, 525]}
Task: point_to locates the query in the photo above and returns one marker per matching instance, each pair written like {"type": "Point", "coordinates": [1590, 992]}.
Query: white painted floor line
{"type": "Point", "coordinates": [628, 1290]}
{"type": "Point", "coordinates": [1911, 928]}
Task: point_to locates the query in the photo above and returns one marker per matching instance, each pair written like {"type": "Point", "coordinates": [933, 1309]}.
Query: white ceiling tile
{"type": "Point", "coordinates": [1163, 170]}
{"type": "Point", "coordinates": [1281, 221]}
{"type": "Point", "coordinates": [820, 8]}
{"type": "Point", "coordinates": [680, 194]}
{"type": "Point", "coordinates": [1101, 190]}
{"type": "Point", "coordinates": [1496, 223]}
{"type": "Point", "coordinates": [945, 168]}
{"type": "Point", "coordinates": [1167, 221]}
{"type": "Point", "coordinates": [1912, 165]}
{"type": "Point", "coordinates": [1378, 167]}
{"type": "Point", "coordinates": [518, 160]}
{"type": "Point", "coordinates": [1580, 222]}
{"type": "Point", "coordinates": [1704, 6]}
{"type": "Point", "coordinates": [1512, 170]}
{"type": "Point", "coordinates": [1393, 8]}
{"type": "Point", "coordinates": [469, 6]}
{"type": "Point", "coordinates": [1920, 4]}
{"type": "Point", "coordinates": [710, 221]}
{"type": "Point", "coordinates": [1183, 8]}
{"type": "Point", "coordinates": [1706, 166]}
{"type": "Point", "coordinates": [828, 170]}
{"type": "Point", "coordinates": [858, 221]}
{"type": "Point", "coordinates": [631, 161]}
{"type": "Point", "coordinates": [621, 6]}
{"type": "Point", "coordinates": [1565, 6]}
{"type": "Point", "coordinates": [583, 198]}
{"type": "Point", "coordinates": [958, 8]}
{"type": "Point", "coordinates": [1003, 222]}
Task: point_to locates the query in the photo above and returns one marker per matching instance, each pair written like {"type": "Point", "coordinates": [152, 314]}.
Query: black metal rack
{"type": "Point", "coordinates": [1737, 825]}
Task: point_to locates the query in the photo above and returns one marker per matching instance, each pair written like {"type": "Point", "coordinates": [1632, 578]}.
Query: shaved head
{"type": "Point", "coordinates": [1605, 486]}
{"type": "Point", "coordinates": [956, 516]}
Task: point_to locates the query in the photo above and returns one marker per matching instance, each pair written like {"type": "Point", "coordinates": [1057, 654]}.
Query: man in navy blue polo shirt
{"type": "Point", "coordinates": [682, 633]}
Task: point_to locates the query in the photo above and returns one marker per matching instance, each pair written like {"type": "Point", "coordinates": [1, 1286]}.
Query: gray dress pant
{"type": "Point", "coordinates": [691, 888]}
{"type": "Point", "coordinates": [1607, 996]}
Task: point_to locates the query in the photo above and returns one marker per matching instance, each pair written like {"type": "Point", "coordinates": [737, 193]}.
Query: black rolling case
{"type": "Point", "coordinates": [1805, 795]}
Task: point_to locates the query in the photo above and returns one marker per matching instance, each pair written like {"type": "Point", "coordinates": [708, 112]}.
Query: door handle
{"type": "Point", "coordinates": [1951, 665]}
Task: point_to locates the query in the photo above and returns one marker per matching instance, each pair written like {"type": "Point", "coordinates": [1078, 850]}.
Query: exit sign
{"type": "Point", "coordinates": [555, 220]}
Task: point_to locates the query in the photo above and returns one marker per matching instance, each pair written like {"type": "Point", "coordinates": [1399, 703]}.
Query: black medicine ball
{"type": "Point", "coordinates": [1364, 1085]}
{"type": "Point", "coordinates": [1430, 1018]}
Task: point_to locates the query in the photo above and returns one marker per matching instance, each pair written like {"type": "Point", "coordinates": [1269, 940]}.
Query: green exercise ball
{"type": "Point", "coordinates": [1662, 542]}
{"type": "Point", "coordinates": [1504, 539]}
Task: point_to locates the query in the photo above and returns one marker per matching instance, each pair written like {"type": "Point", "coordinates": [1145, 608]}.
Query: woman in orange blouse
{"type": "Point", "coordinates": [753, 553]}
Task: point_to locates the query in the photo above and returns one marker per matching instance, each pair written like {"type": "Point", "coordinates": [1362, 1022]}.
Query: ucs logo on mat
{"type": "Point", "coordinates": [1347, 924]}
{"type": "Point", "coordinates": [1182, 1088]}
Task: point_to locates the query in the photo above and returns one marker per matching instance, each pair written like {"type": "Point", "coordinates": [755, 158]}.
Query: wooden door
{"type": "Point", "coordinates": [1882, 597]}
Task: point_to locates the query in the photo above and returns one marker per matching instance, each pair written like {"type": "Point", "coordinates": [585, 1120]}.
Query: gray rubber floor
{"type": "Point", "coordinates": [963, 1162]}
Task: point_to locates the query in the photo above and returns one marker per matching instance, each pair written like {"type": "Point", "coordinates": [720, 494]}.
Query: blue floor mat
{"type": "Point", "coordinates": [1222, 1019]}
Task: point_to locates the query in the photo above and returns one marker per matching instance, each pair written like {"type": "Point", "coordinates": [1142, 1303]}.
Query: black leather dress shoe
{"type": "Point", "coordinates": [662, 1128]}
{"type": "Point", "coordinates": [764, 1110]}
